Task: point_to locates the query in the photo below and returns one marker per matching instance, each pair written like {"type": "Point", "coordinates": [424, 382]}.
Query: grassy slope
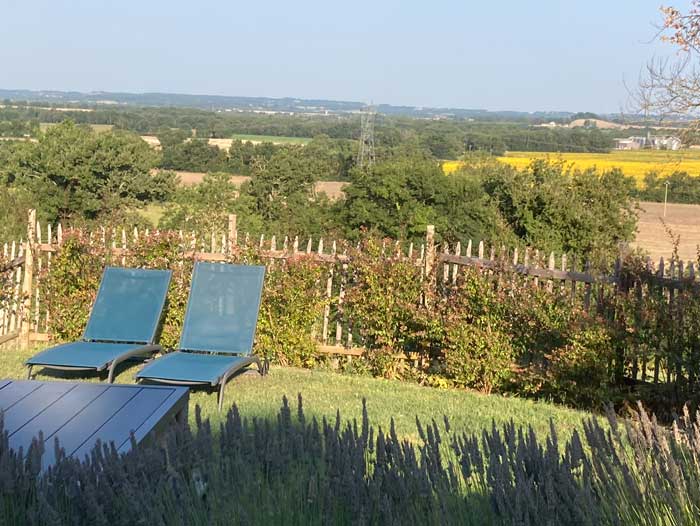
{"type": "Point", "coordinates": [325, 392]}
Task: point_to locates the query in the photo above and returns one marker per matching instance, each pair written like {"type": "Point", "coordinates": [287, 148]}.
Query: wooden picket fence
{"type": "Point", "coordinates": [25, 317]}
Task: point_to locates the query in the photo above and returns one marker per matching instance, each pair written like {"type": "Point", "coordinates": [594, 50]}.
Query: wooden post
{"type": "Point", "coordinates": [232, 232]}
{"type": "Point", "coordinates": [25, 326]}
{"type": "Point", "coordinates": [550, 266]}
{"type": "Point", "coordinates": [429, 249]}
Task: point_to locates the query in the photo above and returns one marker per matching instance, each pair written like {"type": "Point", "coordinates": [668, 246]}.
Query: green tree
{"type": "Point", "coordinates": [195, 155]}
{"type": "Point", "coordinates": [75, 173]}
{"type": "Point", "coordinates": [204, 208]}
{"type": "Point", "coordinates": [170, 137]}
{"type": "Point", "coordinates": [552, 207]}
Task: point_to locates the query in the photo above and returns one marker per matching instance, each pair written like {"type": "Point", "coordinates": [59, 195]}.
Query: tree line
{"type": "Point", "coordinates": [76, 175]}
{"type": "Point", "coordinates": [446, 139]}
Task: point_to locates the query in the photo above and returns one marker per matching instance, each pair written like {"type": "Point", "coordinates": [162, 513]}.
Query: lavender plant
{"type": "Point", "coordinates": [291, 470]}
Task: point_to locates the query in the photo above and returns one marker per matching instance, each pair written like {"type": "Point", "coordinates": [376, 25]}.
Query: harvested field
{"type": "Point", "coordinates": [192, 178]}
{"type": "Point", "coordinates": [222, 144]}
{"type": "Point", "coordinates": [152, 141]}
{"type": "Point", "coordinates": [333, 189]}
{"type": "Point", "coordinates": [274, 139]}
{"type": "Point", "coordinates": [683, 220]}
{"type": "Point", "coordinates": [98, 128]}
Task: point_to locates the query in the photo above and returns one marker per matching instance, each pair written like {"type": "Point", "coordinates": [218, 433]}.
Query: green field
{"type": "Point", "coordinates": [271, 138]}
{"type": "Point", "coordinates": [325, 392]}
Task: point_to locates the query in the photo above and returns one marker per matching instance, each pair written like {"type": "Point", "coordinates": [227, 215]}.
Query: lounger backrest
{"type": "Point", "coordinates": [222, 310]}
{"type": "Point", "coordinates": [128, 305]}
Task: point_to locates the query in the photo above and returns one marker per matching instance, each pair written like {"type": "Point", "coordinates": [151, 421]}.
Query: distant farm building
{"type": "Point", "coordinates": [651, 142]}
{"type": "Point", "coordinates": [631, 143]}
{"type": "Point", "coordinates": [666, 142]}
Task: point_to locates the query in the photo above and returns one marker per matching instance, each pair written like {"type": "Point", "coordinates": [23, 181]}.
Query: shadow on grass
{"type": "Point", "coordinates": [287, 470]}
{"type": "Point", "coordinates": [291, 469]}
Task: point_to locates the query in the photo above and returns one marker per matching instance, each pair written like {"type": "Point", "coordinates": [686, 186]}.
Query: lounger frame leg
{"type": "Point", "coordinates": [262, 369]}
{"type": "Point", "coordinates": [221, 393]}
{"type": "Point", "coordinates": [29, 372]}
{"type": "Point", "coordinates": [127, 356]}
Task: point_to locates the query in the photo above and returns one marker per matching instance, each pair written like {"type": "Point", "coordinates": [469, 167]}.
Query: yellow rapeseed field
{"type": "Point", "coordinates": [632, 163]}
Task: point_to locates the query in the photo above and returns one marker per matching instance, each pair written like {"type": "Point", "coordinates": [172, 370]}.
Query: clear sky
{"type": "Point", "coordinates": [510, 54]}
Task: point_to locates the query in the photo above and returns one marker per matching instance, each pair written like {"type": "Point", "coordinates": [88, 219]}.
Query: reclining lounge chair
{"type": "Point", "coordinates": [218, 330]}
{"type": "Point", "coordinates": [122, 324]}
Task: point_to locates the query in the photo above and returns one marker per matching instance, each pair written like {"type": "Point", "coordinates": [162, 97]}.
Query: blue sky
{"type": "Point", "coordinates": [511, 54]}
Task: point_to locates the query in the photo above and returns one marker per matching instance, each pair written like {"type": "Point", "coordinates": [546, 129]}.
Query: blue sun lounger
{"type": "Point", "coordinates": [122, 325]}
{"type": "Point", "coordinates": [218, 331]}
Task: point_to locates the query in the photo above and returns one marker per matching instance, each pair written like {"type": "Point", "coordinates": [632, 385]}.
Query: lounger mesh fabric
{"type": "Point", "coordinates": [222, 310]}
{"type": "Point", "coordinates": [192, 367]}
{"type": "Point", "coordinates": [93, 355]}
{"type": "Point", "coordinates": [128, 305]}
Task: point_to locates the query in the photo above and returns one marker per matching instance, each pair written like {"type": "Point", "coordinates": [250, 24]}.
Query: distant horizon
{"type": "Point", "coordinates": [299, 98]}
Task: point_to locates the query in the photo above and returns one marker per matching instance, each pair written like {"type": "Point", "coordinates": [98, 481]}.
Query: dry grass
{"type": "Point", "coordinates": [98, 128]}
{"type": "Point", "coordinates": [333, 189]}
{"type": "Point", "coordinates": [682, 220]}
{"type": "Point", "coordinates": [274, 139]}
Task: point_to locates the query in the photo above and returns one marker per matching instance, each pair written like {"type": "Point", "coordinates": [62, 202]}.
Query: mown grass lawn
{"type": "Point", "coordinates": [325, 392]}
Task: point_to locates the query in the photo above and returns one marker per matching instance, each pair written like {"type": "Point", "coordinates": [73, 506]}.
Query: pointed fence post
{"type": "Point", "coordinates": [30, 246]}
{"type": "Point", "coordinates": [429, 249]}
{"type": "Point", "coordinates": [232, 233]}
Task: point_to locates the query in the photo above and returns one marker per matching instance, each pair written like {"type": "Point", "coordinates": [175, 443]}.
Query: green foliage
{"type": "Point", "coordinates": [281, 190]}
{"type": "Point", "coordinates": [682, 188]}
{"type": "Point", "coordinates": [382, 298]}
{"type": "Point", "coordinates": [474, 334]}
{"type": "Point", "coordinates": [194, 155]}
{"type": "Point", "coordinates": [14, 204]}
{"type": "Point", "coordinates": [204, 208]}
{"type": "Point", "coordinates": [564, 353]}
{"type": "Point", "coordinates": [71, 284]}
{"type": "Point", "coordinates": [163, 250]}
{"type": "Point", "coordinates": [397, 198]}
{"type": "Point", "coordinates": [448, 137]}
{"type": "Point", "coordinates": [73, 172]}
{"type": "Point", "coordinates": [477, 347]}
{"type": "Point", "coordinates": [18, 129]}
{"type": "Point", "coordinates": [292, 306]}
{"type": "Point", "coordinates": [577, 373]}
{"type": "Point", "coordinates": [286, 175]}
{"type": "Point", "coordinates": [555, 208]}
{"type": "Point", "coordinates": [478, 356]}
{"type": "Point", "coordinates": [169, 137]}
